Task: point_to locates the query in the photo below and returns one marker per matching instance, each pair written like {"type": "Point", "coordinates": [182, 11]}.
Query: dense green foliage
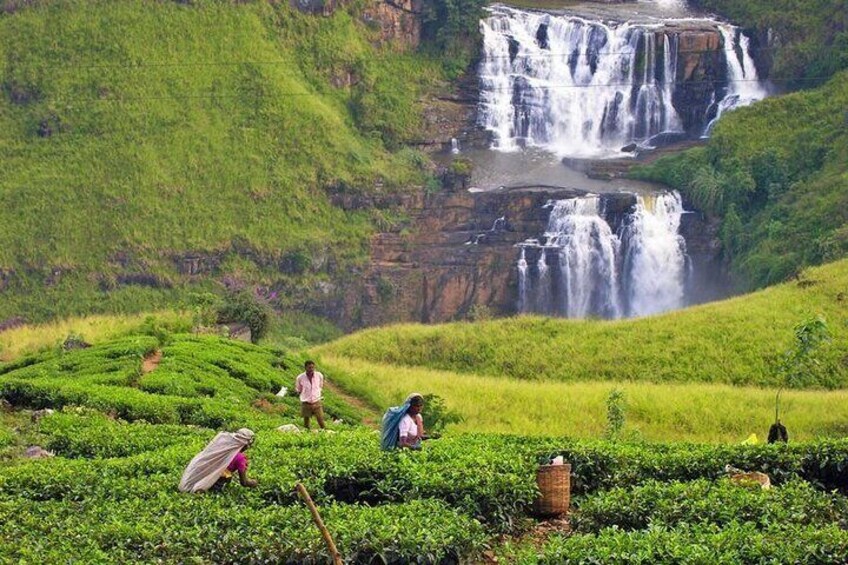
{"type": "Point", "coordinates": [811, 36]}
{"type": "Point", "coordinates": [201, 380]}
{"type": "Point", "coordinates": [738, 341]}
{"type": "Point", "coordinates": [777, 173]}
{"type": "Point", "coordinates": [658, 504]}
{"type": "Point", "coordinates": [426, 505]}
{"type": "Point", "coordinates": [690, 545]}
{"type": "Point", "coordinates": [453, 29]}
{"type": "Point", "coordinates": [134, 134]}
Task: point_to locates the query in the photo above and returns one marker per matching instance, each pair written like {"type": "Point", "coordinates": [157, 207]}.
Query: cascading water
{"type": "Point", "coordinates": [654, 256]}
{"type": "Point", "coordinates": [577, 87]}
{"type": "Point", "coordinates": [743, 86]}
{"type": "Point", "coordinates": [587, 256]}
{"type": "Point", "coordinates": [636, 271]}
{"type": "Point", "coordinates": [522, 282]}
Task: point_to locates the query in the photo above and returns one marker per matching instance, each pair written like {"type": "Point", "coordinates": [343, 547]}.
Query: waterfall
{"type": "Point", "coordinates": [587, 255]}
{"type": "Point", "coordinates": [743, 84]}
{"type": "Point", "coordinates": [522, 282]}
{"type": "Point", "coordinates": [455, 146]}
{"type": "Point", "coordinates": [638, 270]}
{"type": "Point", "coordinates": [577, 87]}
{"type": "Point", "coordinates": [543, 297]}
{"type": "Point", "coordinates": [654, 262]}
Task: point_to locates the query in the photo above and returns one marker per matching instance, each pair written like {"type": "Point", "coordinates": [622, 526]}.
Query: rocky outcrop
{"type": "Point", "coordinates": [397, 21]}
{"type": "Point", "coordinates": [700, 66]}
{"type": "Point", "coordinates": [456, 255]}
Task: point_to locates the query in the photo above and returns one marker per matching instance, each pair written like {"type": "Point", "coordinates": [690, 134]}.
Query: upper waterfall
{"type": "Point", "coordinates": [581, 87]}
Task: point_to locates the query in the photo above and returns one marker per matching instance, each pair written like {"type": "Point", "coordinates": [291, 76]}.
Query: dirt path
{"type": "Point", "coordinates": [536, 537]}
{"type": "Point", "coordinates": [369, 419]}
{"type": "Point", "coordinates": [151, 361]}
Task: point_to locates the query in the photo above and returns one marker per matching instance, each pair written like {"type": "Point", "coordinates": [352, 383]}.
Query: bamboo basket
{"type": "Point", "coordinates": [554, 483]}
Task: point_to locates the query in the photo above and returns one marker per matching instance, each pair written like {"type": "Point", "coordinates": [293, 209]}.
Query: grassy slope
{"type": "Point", "coordinates": [92, 329]}
{"type": "Point", "coordinates": [655, 412]}
{"type": "Point", "coordinates": [736, 341]}
{"type": "Point", "coordinates": [186, 128]}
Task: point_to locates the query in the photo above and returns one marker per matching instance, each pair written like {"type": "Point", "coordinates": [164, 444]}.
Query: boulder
{"type": "Point", "coordinates": [289, 429]}
{"type": "Point", "coordinates": [37, 452]}
{"type": "Point", "coordinates": [39, 414]}
{"type": "Point", "coordinates": [74, 342]}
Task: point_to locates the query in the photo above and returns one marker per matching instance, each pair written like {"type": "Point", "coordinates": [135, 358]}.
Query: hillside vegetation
{"type": "Point", "coordinates": [777, 175]}
{"type": "Point", "coordinates": [91, 329]}
{"type": "Point", "coordinates": [810, 36]}
{"type": "Point", "coordinates": [738, 341]}
{"type": "Point", "coordinates": [136, 134]}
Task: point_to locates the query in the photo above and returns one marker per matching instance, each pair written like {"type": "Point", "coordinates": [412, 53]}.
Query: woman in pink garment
{"type": "Point", "coordinates": [213, 467]}
{"type": "Point", "coordinates": [237, 465]}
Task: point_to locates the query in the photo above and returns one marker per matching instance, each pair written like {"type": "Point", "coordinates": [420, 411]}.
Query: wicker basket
{"type": "Point", "coordinates": [555, 487]}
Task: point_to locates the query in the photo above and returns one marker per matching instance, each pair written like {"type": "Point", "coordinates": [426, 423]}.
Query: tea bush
{"type": "Point", "coordinates": [709, 502]}
{"type": "Point", "coordinates": [734, 544]}
{"type": "Point", "coordinates": [201, 380]}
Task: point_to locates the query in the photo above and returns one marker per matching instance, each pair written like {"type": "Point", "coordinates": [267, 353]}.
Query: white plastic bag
{"type": "Point", "coordinates": [282, 392]}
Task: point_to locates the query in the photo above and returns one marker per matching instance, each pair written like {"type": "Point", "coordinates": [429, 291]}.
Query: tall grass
{"type": "Point", "coordinates": [738, 341]}
{"type": "Point", "coordinates": [93, 329]}
{"type": "Point", "coordinates": [654, 412]}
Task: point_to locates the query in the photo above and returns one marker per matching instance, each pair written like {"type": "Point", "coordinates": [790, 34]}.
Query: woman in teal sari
{"type": "Point", "coordinates": [403, 426]}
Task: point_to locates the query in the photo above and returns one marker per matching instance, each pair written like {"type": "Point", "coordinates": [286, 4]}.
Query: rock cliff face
{"type": "Point", "coordinates": [700, 65]}
{"type": "Point", "coordinates": [459, 254]}
{"type": "Point", "coordinates": [456, 255]}
{"type": "Point", "coordinates": [398, 21]}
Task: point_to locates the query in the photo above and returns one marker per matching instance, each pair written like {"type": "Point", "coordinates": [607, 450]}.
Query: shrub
{"type": "Point", "coordinates": [691, 544]}
{"type": "Point", "coordinates": [245, 307]}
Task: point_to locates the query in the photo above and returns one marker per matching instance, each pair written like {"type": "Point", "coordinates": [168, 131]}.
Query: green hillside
{"type": "Point", "coordinates": [135, 134]}
{"type": "Point", "coordinates": [713, 413]}
{"type": "Point", "coordinates": [738, 341]}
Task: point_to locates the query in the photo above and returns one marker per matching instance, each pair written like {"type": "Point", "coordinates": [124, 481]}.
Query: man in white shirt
{"type": "Point", "coordinates": [411, 430]}
{"type": "Point", "coordinates": [309, 385]}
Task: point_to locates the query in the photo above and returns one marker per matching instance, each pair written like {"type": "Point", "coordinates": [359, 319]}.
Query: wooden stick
{"type": "Point", "coordinates": [304, 494]}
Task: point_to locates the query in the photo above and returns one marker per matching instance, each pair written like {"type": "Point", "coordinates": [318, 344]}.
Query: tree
{"type": "Point", "coordinates": [809, 336]}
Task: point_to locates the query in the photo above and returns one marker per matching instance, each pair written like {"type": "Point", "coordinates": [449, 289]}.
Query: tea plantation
{"type": "Point", "coordinates": [122, 437]}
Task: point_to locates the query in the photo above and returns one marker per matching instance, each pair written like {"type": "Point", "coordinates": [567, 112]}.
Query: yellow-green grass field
{"type": "Point", "coordinates": [654, 412]}
{"type": "Point", "coordinates": [93, 329]}
{"type": "Point", "coordinates": [739, 341]}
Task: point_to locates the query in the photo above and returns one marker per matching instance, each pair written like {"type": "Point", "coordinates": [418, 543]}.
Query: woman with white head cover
{"type": "Point", "coordinates": [213, 462]}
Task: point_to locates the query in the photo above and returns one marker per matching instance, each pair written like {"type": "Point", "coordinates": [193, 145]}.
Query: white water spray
{"type": "Point", "coordinates": [743, 85]}
{"type": "Point", "coordinates": [587, 88]}
{"type": "Point", "coordinates": [637, 272]}
{"type": "Point", "coordinates": [654, 262]}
